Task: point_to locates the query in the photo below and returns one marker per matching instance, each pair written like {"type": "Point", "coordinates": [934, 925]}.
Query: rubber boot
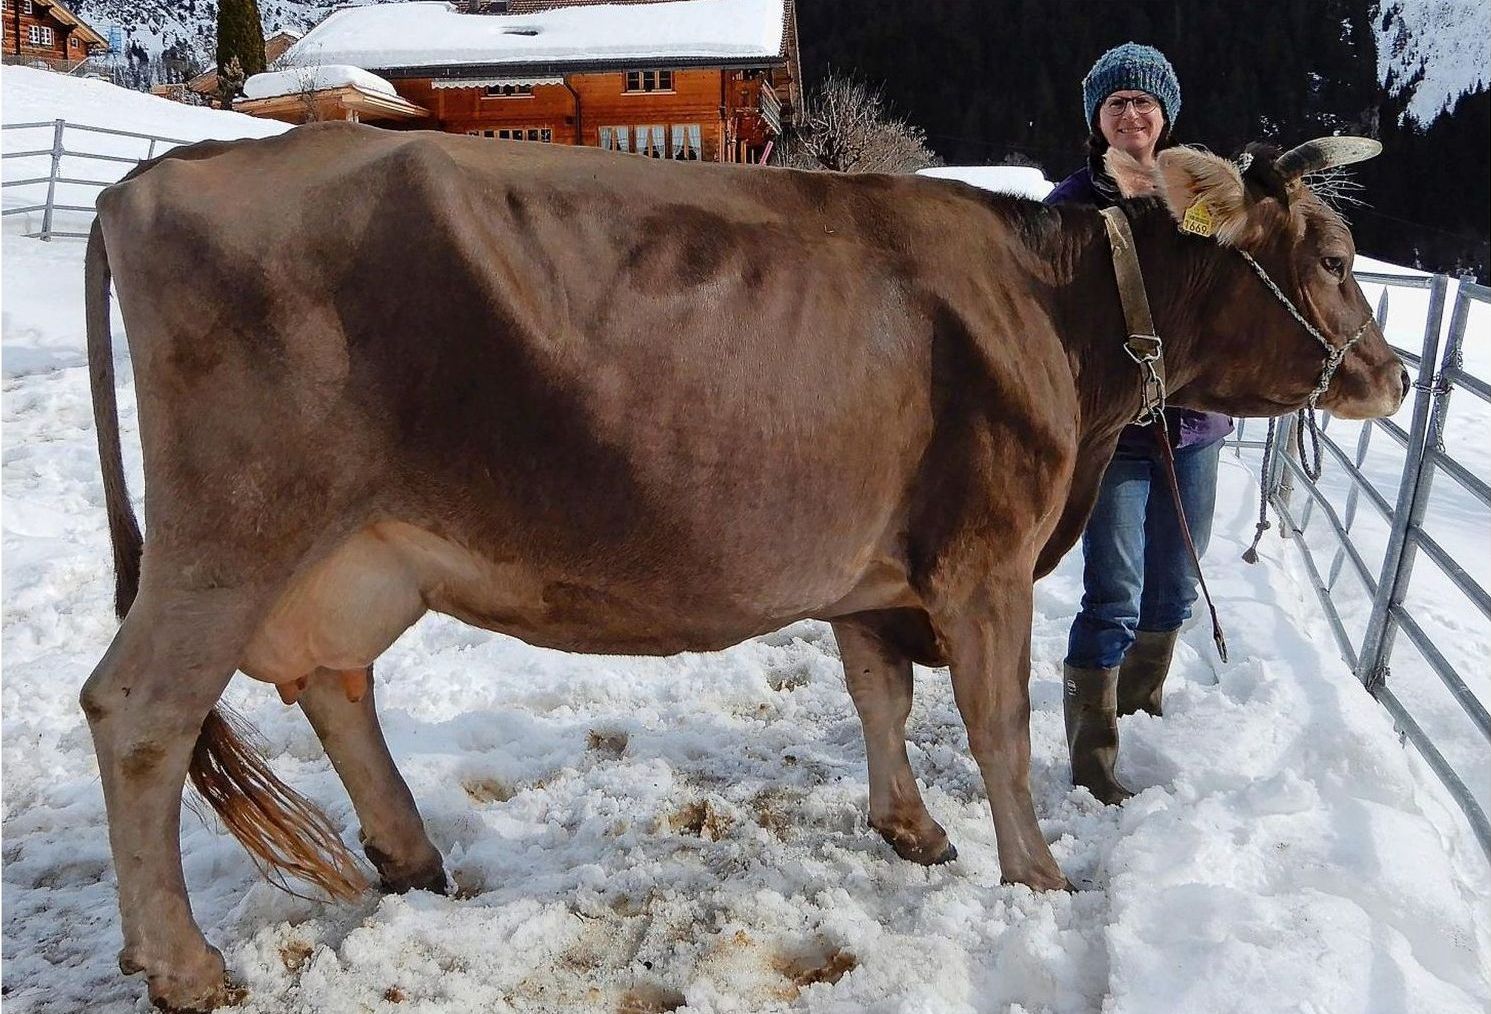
{"type": "Point", "coordinates": [1141, 678]}
{"type": "Point", "coordinates": [1090, 704]}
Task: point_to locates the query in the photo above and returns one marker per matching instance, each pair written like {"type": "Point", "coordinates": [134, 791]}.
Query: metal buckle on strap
{"type": "Point", "coordinates": [1144, 348]}
{"type": "Point", "coordinates": [1148, 351]}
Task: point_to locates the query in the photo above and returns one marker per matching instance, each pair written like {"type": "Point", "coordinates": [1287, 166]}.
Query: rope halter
{"type": "Point", "coordinates": [1335, 355]}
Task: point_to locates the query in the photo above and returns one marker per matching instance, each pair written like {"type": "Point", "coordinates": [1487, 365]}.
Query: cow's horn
{"type": "Point", "coordinates": [1323, 153]}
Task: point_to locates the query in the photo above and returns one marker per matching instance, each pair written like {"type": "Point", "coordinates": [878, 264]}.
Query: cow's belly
{"type": "Point", "coordinates": [347, 609]}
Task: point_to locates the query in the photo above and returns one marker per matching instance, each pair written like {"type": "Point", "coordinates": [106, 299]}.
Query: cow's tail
{"type": "Point", "coordinates": [282, 830]}
{"type": "Point", "coordinates": [124, 530]}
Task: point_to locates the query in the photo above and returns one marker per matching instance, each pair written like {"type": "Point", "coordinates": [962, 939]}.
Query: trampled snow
{"type": "Point", "coordinates": [299, 80]}
{"type": "Point", "coordinates": [689, 832]}
{"type": "Point", "coordinates": [435, 34]}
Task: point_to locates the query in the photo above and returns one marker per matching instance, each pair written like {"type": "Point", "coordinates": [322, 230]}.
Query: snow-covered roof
{"type": "Point", "coordinates": [298, 80]}
{"type": "Point", "coordinates": [1022, 181]}
{"type": "Point", "coordinates": [386, 36]}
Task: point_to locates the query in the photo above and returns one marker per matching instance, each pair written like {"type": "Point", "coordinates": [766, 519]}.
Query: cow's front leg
{"type": "Point", "coordinates": [146, 702]}
{"type": "Point", "coordinates": [988, 646]}
{"type": "Point", "coordinates": [880, 683]}
{"type": "Point", "coordinates": [393, 835]}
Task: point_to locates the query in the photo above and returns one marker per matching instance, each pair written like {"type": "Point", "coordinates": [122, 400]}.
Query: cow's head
{"type": "Point", "coordinates": [1252, 356]}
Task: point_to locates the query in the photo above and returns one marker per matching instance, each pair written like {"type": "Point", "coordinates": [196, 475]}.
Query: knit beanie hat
{"type": "Point", "coordinates": [1132, 66]}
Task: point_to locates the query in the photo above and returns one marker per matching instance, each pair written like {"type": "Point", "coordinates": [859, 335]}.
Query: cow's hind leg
{"type": "Point", "coordinates": [393, 834]}
{"type": "Point", "coordinates": [880, 683]}
{"type": "Point", "coordinates": [146, 703]}
{"type": "Point", "coordinates": [150, 706]}
{"type": "Point", "coordinates": [989, 650]}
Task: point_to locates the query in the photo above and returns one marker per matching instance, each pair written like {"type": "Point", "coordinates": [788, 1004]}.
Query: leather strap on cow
{"type": "Point", "coordinates": [1143, 345]}
{"type": "Point", "coordinates": [1148, 351]}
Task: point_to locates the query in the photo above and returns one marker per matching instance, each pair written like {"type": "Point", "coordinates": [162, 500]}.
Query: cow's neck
{"type": "Point", "coordinates": [1089, 316]}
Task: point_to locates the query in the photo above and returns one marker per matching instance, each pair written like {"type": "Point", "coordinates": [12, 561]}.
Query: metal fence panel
{"type": "Point", "coordinates": [59, 151]}
{"type": "Point", "coordinates": [1424, 456]}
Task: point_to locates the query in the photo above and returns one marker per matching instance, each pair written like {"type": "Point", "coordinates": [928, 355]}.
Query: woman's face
{"type": "Point", "coordinates": [1131, 121]}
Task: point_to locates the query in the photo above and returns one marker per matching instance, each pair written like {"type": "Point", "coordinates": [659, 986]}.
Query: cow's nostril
{"type": "Point", "coordinates": [1404, 379]}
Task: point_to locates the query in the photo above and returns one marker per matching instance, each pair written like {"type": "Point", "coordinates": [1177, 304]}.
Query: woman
{"type": "Point", "coordinates": [1138, 581]}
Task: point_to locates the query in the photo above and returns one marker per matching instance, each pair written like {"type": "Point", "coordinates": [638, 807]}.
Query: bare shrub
{"type": "Point", "coordinates": [848, 127]}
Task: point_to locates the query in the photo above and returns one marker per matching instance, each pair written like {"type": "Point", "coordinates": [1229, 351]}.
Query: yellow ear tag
{"type": "Point", "coordinates": [1197, 220]}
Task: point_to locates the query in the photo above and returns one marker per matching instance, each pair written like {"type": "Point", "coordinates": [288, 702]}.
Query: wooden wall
{"type": "Point", "coordinates": [698, 97]}
{"type": "Point", "coordinates": [65, 45]}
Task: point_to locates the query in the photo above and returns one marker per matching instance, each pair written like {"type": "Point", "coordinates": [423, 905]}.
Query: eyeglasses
{"type": "Point", "coordinates": [1143, 105]}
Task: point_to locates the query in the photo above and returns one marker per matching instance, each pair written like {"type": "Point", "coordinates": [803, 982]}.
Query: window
{"type": "Point", "coordinates": [649, 80]}
{"type": "Point", "coordinates": [508, 91]}
{"type": "Point", "coordinates": [650, 140]}
{"type": "Point", "coordinates": [39, 35]}
{"type": "Point", "coordinates": [616, 138]}
{"type": "Point", "coordinates": [685, 146]}
{"type": "Point", "coordinates": [26, 7]}
{"type": "Point", "coordinates": [545, 134]}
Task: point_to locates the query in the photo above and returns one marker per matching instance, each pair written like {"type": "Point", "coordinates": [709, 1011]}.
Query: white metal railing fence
{"type": "Point", "coordinates": [1425, 457]}
{"type": "Point", "coordinates": [57, 133]}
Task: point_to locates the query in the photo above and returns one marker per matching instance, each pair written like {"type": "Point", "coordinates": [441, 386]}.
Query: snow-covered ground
{"type": "Point", "coordinates": [689, 833]}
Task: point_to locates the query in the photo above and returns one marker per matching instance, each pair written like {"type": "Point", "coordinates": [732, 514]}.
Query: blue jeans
{"type": "Point", "coordinates": [1137, 574]}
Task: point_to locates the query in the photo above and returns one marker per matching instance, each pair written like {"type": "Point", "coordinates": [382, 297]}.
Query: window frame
{"type": "Point", "coordinates": [642, 77]}
{"type": "Point", "coordinates": [681, 138]}
{"type": "Point", "coordinates": [646, 130]}
{"type": "Point", "coordinates": [545, 134]}
{"type": "Point", "coordinates": [526, 94]}
{"type": "Point", "coordinates": [620, 137]}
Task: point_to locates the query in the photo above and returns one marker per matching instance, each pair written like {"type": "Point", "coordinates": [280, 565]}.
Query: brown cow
{"type": "Point", "coordinates": [606, 404]}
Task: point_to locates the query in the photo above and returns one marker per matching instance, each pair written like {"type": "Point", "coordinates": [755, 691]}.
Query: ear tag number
{"type": "Point", "coordinates": [1197, 220]}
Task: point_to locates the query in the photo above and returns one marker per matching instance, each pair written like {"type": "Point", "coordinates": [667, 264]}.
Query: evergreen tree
{"type": "Point", "coordinates": [240, 35]}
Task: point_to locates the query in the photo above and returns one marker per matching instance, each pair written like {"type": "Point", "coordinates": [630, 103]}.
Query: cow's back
{"type": "Point", "coordinates": [658, 389]}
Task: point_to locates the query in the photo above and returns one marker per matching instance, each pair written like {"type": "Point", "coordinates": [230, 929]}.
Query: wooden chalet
{"type": "Point", "coordinates": [44, 32]}
{"type": "Point", "coordinates": [276, 45]}
{"type": "Point", "coordinates": [688, 79]}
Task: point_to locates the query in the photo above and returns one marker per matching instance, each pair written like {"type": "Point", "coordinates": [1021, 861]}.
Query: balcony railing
{"type": "Point", "coordinates": [770, 107]}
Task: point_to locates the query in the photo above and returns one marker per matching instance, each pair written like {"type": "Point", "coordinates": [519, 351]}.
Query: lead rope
{"type": "Point", "coordinates": [1251, 554]}
{"type": "Point", "coordinates": [1309, 465]}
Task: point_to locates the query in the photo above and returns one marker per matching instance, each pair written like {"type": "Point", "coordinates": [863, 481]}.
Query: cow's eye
{"type": "Point", "coordinates": [1335, 266]}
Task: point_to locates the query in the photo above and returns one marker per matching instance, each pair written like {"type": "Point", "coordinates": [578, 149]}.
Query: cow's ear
{"type": "Point", "coordinates": [1132, 178]}
{"type": "Point", "coordinates": [1204, 193]}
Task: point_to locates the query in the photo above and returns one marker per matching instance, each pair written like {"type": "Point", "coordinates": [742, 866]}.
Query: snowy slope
{"type": "Point", "coordinates": [157, 25]}
{"type": "Point", "coordinates": [640, 834]}
{"type": "Point", "coordinates": [1449, 40]}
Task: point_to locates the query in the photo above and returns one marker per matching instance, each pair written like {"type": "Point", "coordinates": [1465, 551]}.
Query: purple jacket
{"type": "Point", "coordinates": [1187, 428]}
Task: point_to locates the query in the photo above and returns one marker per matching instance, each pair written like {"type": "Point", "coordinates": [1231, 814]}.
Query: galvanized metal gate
{"type": "Point", "coordinates": [1439, 374]}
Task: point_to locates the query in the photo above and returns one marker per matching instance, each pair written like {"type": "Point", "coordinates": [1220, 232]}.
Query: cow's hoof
{"type": "Point", "coordinates": [428, 874]}
{"type": "Point", "coordinates": [1042, 880]}
{"type": "Point", "coordinates": [434, 881]}
{"type": "Point", "coordinates": [196, 987]}
{"type": "Point", "coordinates": [930, 848]}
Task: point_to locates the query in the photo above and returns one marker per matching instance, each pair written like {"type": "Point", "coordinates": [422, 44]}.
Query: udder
{"type": "Point", "coordinates": [340, 614]}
